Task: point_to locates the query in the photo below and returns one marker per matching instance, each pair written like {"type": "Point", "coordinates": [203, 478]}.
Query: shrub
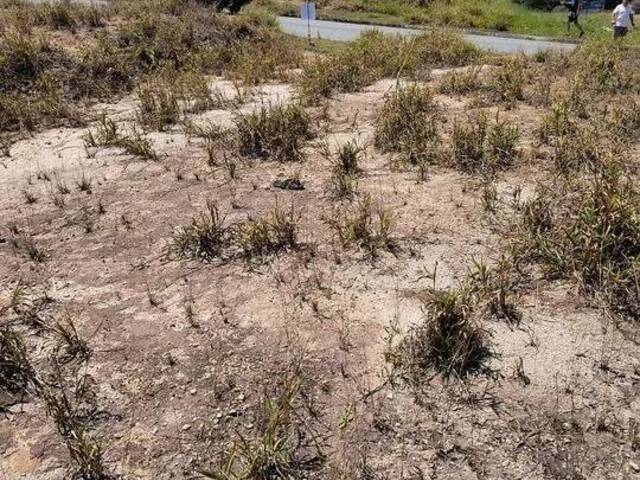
{"type": "Point", "coordinates": [348, 158]}
{"type": "Point", "coordinates": [408, 123]}
{"type": "Point", "coordinates": [506, 83]}
{"type": "Point", "coordinates": [574, 145]}
{"type": "Point", "coordinates": [623, 121]}
{"type": "Point", "coordinates": [24, 58]}
{"type": "Point", "coordinates": [502, 145]}
{"type": "Point", "coordinates": [103, 69]}
{"type": "Point", "coordinates": [138, 145]}
{"type": "Point", "coordinates": [344, 178]}
{"type": "Point", "coordinates": [343, 184]}
{"type": "Point", "coordinates": [494, 288]}
{"type": "Point", "coordinates": [604, 67]}
{"type": "Point", "coordinates": [40, 83]}
{"type": "Point", "coordinates": [540, 4]}
{"type": "Point", "coordinates": [559, 122]}
{"type": "Point", "coordinates": [468, 142]}
{"type": "Point", "coordinates": [67, 15]}
{"type": "Point", "coordinates": [106, 134]}
{"type": "Point", "coordinates": [273, 57]}
{"type": "Point", "coordinates": [159, 103]}
{"type": "Point", "coordinates": [30, 93]}
{"type": "Point", "coordinates": [275, 133]}
{"type": "Point", "coordinates": [580, 150]}
{"type": "Point", "coordinates": [233, 6]}
{"type": "Point", "coordinates": [167, 95]}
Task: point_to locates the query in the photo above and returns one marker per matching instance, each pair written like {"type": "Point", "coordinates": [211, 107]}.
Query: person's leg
{"type": "Point", "coordinates": [619, 32]}
{"type": "Point", "coordinates": [579, 28]}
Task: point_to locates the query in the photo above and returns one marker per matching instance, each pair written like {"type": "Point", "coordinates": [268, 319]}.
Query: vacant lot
{"type": "Point", "coordinates": [223, 255]}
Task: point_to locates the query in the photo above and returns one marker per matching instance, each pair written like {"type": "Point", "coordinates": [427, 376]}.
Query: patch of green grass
{"type": "Point", "coordinates": [207, 238]}
{"type": "Point", "coordinates": [43, 84]}
{"type": "Point", "coordinates": [16, 372]}
{"type": "Point", "coordinates": [268, 235]}
{"type": "Point", "coordinates": [356, 65]}
{"type": "Point", "coordinates": [461, 83]}
{"type": "Point", "coordinates": [66, 15]}
{"type": "Point", "coordinates": [204, 239]}
{"type": "Point", "coordinates": [345, 171]}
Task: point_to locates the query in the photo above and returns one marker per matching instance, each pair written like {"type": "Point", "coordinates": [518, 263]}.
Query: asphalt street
{"type": "Point", "coordinates": [345, 32]}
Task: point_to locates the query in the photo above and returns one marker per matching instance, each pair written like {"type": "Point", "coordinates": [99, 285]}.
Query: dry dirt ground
{"type": "Point", "coordinates": [175, 390]}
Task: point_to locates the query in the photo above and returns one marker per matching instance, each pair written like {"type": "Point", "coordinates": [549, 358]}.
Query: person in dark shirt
{"type": "Point", "coordinates": [575, 8]}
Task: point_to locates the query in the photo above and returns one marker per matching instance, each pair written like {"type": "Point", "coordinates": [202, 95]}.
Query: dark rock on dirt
{"type": "Point", "coordinates": [289, 184]}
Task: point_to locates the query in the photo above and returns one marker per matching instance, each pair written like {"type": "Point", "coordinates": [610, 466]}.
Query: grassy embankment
{"type": "Point", "coordinates": [486, 15]}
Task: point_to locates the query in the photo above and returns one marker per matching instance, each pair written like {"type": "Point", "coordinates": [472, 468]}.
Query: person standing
{"type": "Point", "coordinates": [622, 19]}
{"type": "Point", "coordinates": [575, 8]}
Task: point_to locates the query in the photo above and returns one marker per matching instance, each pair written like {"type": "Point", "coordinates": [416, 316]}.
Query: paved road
{"type": "Point", "coordinates": [349, 31]}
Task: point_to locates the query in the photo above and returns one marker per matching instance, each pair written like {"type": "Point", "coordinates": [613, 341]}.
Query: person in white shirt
{"type": "Point", "coordinates": [622, 19]}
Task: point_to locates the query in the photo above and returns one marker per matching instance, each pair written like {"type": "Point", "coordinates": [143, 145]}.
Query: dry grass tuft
{"type": "Point", "coordinates": [477, 147]}
{"type": "Point", "coordinates": [274, 133]}
{"type": "Point", "coordinates": [278, 450]}
{"type": "Point", "coordinates": [589, 231]}
{"type": "Point", "coordinates": [366, 226]}
{"type": "Point", "coordinates": [449, 340]}
{"type": "Point", "coordinates": [408, 123]}
{"type": "Point", "coordinates": [208, 238]}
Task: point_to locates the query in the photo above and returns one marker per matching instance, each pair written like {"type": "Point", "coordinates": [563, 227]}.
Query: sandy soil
{"type": "Point", "coordinates": [175, 392]}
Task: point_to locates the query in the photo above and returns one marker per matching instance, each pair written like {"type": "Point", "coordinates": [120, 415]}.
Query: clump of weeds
{"type": "Point", "coordinates": [449, 340]}
{"type": "Point", "coordinates": [366, 226]}
{"type": "Point", "coordinates": [408, 123]}
{"type": "Point", "coordinates": [345, 171]}
{"type": "Point", "coordinates": [274, 133]}
{"type": "Point", "coordinates": [589, 231]}
{"type": "Point", "coordinates": [278, 450]}
{"type": "Point", "coordinates": [478, 147]}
